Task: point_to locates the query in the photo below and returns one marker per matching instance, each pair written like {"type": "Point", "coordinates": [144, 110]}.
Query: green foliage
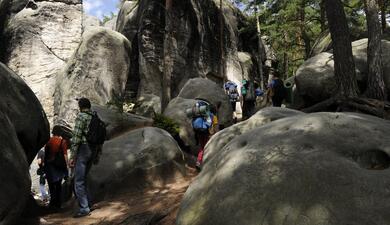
{"type": "Point", "coordinates": [293, 26]}
{"type": "Point", "coordinates": [167, 124]}
{"type": "Point", "coordinates": [107, 18]}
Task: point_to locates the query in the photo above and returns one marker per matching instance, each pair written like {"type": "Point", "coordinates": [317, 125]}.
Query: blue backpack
{"type": "Point", "coordinates": [200, 124]}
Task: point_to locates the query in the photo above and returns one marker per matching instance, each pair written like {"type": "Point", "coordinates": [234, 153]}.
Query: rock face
{"type": "Point", "coordinates": [197, 52]}
{"type": "Point", "coordinates": [143, 157]}
{"type": "Point", "coordinates": [119, 123]}
{"type": "Point", "coordinates": [98, 70]}
{"type": "Point", "coordinates": [40, 37]}
{"type": "Point", "coordinates": [322, 44]}
{"type": "Point", "coordinates": [24, 111]}
{"type": "Point", "coordinates": [262, 117]}
{"type": "Point", "coordinates": [297, 170]}
{"type": "Point", "coordinates": [14, 174]}
{"type": "Point", "coordinates": [315, 78]}
{"type": "Point", "coordinates": [24, 130]}
{"type": "Point", "coordinates": [176, 110]}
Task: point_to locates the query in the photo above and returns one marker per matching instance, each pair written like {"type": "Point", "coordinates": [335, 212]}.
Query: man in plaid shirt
{"type": "Point", "coordinates": [81, 156]}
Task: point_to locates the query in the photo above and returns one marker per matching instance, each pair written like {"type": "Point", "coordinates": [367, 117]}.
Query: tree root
{"type": "Point", "coordinates": [362, 105]}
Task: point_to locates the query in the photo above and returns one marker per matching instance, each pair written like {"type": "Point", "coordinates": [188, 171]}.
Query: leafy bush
{"type": "Point", "coordinates": [167, 124]}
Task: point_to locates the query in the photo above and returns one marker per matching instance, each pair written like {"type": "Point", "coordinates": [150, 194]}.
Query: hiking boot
{"type": "Point", "coordinates": [81, 214]}
{"type": "Point", "coordinates": [198, 166]}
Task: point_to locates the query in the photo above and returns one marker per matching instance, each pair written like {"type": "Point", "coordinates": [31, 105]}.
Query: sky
{"type": "Point", "coordinates": [99, 8]}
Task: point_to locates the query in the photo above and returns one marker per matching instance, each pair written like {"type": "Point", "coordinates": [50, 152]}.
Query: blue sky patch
{"type": "Point", "coordinates": [100, 8]}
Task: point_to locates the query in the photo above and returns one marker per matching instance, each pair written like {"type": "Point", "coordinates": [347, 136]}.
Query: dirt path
{"type": "Point", "coordinates": [154, 206]}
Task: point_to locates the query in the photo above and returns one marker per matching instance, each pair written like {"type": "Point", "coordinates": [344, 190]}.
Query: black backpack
{"type": "Point", "coordinates": [96, 131]}
{"type": "Point", "coordinates": [279, 89]}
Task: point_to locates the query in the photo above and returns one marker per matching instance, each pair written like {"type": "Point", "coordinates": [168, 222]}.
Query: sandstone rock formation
{"type": "Point", "coordinates": [197, 39]}
{"type": "Point", "coordinates": [315, 78]}
{"type": "Point", "coordinates": [24, 111]}
{"type": "Point", "coordinates": [39, 39]}
{"type": "Point", "coordinates": [297, 170]}
{"type": "Point", "coordinates": [98, 70]}
{"type": "Point", "coordinates": [24, 130]}
{"type": "Point", "coordinates": [262, 117]}
{"type": "Point", "coordinates": [143, 157]}
{"type": "Point", "coordinates": [120, 122]}
{"type": "Point", "coordinates": [176, 110]}
{"type": "Point", "coordinates": [15, 187]}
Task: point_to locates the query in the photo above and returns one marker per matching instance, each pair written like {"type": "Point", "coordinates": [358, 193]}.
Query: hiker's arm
{"type": "Point", "coordinates": [77, 137]}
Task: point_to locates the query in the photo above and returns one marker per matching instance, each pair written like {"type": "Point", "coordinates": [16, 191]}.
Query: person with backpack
{"type": "Point", "coordinates": [201, 123]}
{"type": "Point", "coordinates": [248, 98]}
{"type": "Point", "coordinates": [42, 175]}
{"type": "Point", "coordinates": [231, 91]}
{"type": "Point", "coordinates": [278, 91]}
{"type": "Point", "coordinates": [56, 166]}
{"type": "Point", "coordinates": [89, 134]}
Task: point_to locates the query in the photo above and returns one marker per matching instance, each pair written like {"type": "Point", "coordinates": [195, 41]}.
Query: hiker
{"type": "Point", "coordinates": [277, 91]}
{"type": "Point", "coordinates": [201, 123]}
{"type": "Point", "coordinates": [81, 156]}
{"type": "Point", "coordinates": [42, 175]}
{"type": "Point", "coordinates": [231, 90]}
{"type": "Point", "coordinates": [56, 166]}
{"type": "Point", "coordinates": [248, 98]}
{"type": "Point", "coordinates": [88, 137]}
{"type": "Point", "coordinates": [214, 119]}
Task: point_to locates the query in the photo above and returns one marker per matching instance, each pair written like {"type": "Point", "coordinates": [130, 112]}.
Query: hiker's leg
{"type": "Point", "coordinates": [203, 139]}
{"type": "Point", "coordinates": [52, 193]}
{"type": "Point", "coordinates": [83, 157]}
{"type": "Point", "coordinates": [58, 188]}
{"type": "Point", "coordinates": [43, 191]}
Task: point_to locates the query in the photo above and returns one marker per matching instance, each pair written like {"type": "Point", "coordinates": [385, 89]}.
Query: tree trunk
{"type": "Point", "coordinates": [383, 7]}
{"type": "Point", "coordinates": [323, 15]}
{"type": "Point", "coordinates": [304, 36]}
{"type": "Point", "coordinates": [168, 55]}
{"type": "Point", "coordinates": [260, 51]}
{"type": "Point", "coordinates": [222, 63]}
{"type": "Point", "coordinates": [344, 64]}
{"type": "Point", "coordinates": [285, 56]}
{"type": "Point", "coordinates": [375, 85]}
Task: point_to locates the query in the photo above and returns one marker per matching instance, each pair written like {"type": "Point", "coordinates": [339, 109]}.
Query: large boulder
{"type": "Point", "coordinates": [322, 44]}
{"type": "Point", "coordinates": [98, 70]}
{"type": "Point", "coordinates": [197, 50]}
{"type": "Point", "coordinates": [23, 109]}
{"type": "Point", "coordinates": [315, 78]}
{"type": "Point", "coordinates": [39, 39]}
{"type": "Point", "coordinates": [14, 175]}
{"type": "Point", "coordinates": [262, 117]}
{"type": "Point", "coordinates": [213, 93]}
{"type": "Point", "coordinates": [120, 122]}
{"type": "Point", "coordinates": [297, 170]}
{"type": "Point", "coordinates": [135, 160]}
{"type": "Point", "coordinates": [176, 110]}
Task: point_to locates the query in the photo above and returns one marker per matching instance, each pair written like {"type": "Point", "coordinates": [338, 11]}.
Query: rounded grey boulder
{"type": "Point", "coordinates": [134, 160]}
{"type": "Point", "coordinates": [323, 168]}
{"type": "Point", "coordinates": [262, 117]}
{"type": "Point", "coordinates": [21, 106]}
{"type": "Point", "coordinates": [98, 70]}
{"type": "Point", "coordinates": [14, 176]}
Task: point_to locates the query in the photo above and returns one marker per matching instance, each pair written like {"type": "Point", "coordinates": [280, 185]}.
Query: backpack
{"type": "Point", "coordinates": [279, 91]}
{"type": "Point", "coordinates": [201, 124]}
{"type": "Point", "coordinates": [250, 91]}
{"type": "Point", "coordinates": [96, 131]}
{"type": "Point", "coordinates": [59, 159]}
{"type": "Point", "coordinates": [201, 108]}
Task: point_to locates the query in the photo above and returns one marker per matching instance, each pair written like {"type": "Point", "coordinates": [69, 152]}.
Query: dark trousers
{"type": "Point", "coordinates": [277, 102]}
{"type": "Point", "coordinates": [55, 193]}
